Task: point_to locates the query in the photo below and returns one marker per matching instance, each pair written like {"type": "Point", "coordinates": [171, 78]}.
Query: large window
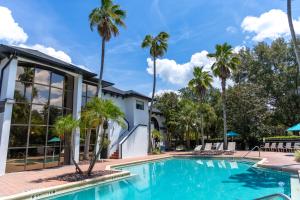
{"type": "Point", "coordinates": [139, 105]}
{"type": "Point", "coordinates": [41, 96]}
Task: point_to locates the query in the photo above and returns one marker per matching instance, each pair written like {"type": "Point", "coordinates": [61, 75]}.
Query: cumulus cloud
{"type": "Point", "coordinates": [10, 32]}
{"type": "Point", "coordinates": [231, 29]}
{"type": "Point", "coordinates": [179, 74]}
{"type": "Point", "coordinates": [49, 51]}
{"type": "Point", "coordinates": [269, 25]}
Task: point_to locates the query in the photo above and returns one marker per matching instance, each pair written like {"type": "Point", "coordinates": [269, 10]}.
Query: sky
{"type": "Point", "coordinates": [61, 29]}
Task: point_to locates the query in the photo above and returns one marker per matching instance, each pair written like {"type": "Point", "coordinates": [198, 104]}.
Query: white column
{"type": "Point", "coordinates": [76, 114]}
{"type": "Point", "coordinates": [6, 98]}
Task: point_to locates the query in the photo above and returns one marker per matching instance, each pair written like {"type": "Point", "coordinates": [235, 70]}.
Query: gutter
{"type": "Point", "coordinates": [4, 67]}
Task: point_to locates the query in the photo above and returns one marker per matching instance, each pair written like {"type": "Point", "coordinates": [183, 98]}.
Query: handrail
{"type": "Point", "coordinates": [253, 150]}
{"type": "Point", "coordinates": [269, 197]}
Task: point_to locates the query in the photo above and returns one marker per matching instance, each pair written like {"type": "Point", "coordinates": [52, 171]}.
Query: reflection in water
{"type": "Point", "coordinates": [190, 179]}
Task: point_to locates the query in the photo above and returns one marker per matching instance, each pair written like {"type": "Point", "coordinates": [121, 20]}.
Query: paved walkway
{"type": "Point", "coordinates": [14, 183]}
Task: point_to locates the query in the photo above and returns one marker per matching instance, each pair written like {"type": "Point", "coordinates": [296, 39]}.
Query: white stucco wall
{"type": "Point", "coordinates": [136, 144]}
{"type": "Point", "coordinates": [141, 116]}
{"type": "Point", "coordinates": [113, 134]}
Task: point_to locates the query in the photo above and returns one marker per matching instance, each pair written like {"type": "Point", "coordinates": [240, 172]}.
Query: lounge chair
{"type": "Point", "coordinates": [280, 147]}
{"type": "Point", "coordinates": [231, 148]}
{"type": "Point", "coordinates": [197, 149]}
{"type": "Point", "coordinates": [273, 147]}
{"type": "Point", "coordinates": [220, 148]}
{"type": "Point", "coordinates": [288, 147]}
{"type": "Point", "coordinates": [296, 146]}
{"type": "Point", "coordinates": [266, 146]}
{"type": "Point", "coordinates": [207, 149]}
{"type": "Point", "coordinates": [180, 148]}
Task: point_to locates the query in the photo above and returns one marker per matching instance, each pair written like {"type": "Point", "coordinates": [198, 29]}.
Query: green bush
{"type": "Point", "coordinates": [297, 156]}
{"type": "Point", "coordinates": [283, 137]}
{"type": "Point", "coordinates": [156, 151]}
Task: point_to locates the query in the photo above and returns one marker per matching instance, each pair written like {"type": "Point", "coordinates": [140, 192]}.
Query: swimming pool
{"type": "Point", "coordinates": [189, 178]}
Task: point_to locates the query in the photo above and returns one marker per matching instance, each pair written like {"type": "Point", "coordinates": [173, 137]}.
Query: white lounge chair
{"type": "Point", "coordinates": [231, 148]}
{"type": "Point", "coordinates": [273, 147]}
{"type": "Point", "coordinates": [288, 147]}
{"type": "Point", "coordinates": [220, 148]}
{"type": "Point", "coordinates": [280, 147]}
{"type": "Point", "coordinates": [296, 146]}
{"type": "Point", "coordinates": [197, 149]}
{"type": "Point", "coordinates": [207, 148]}
{"type": "Point", "coordinates": [266, 146]}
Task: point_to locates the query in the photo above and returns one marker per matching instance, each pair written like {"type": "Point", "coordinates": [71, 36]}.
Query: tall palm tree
{"type": "Point", "coordinates": [64, 126]}
{"type": "Point", "coordinates": [201, 82]}
{"type": "Point", "coordinates": [225, 62]}
{"type": "Point", "coordinates": [106, 20]}
{"type": "Point", "coordinates": [294, 39]}
{"type": "Point", "coordinates": [158, 46]}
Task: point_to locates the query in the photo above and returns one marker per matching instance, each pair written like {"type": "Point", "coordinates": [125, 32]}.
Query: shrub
{"type": "Point", "coordinates": [283, 137]}
{"type": "Point", "coordinates": [156, 151]}
{"type": "Point", "coordinates": [297, 156]}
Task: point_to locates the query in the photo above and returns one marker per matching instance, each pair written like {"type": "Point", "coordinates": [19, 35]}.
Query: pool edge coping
{"type": "Point", "coordinates": [69, 187]}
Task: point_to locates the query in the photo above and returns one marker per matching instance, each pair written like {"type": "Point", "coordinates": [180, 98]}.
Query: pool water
{"type": "Point", "coordinates": [190, 178]}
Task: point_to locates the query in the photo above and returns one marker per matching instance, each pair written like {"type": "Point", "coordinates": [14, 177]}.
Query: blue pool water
{"type": "Point", "coordinates": [189, 178]}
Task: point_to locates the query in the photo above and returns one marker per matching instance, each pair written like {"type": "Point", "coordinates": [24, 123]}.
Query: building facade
{"type": "Point", "coordinates": [36, 89]}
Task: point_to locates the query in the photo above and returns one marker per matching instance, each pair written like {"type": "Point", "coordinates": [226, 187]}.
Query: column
{"type": "Point", "coordinates": [76, 114]}
{"type": "Point", "coordinates": [6, 104]}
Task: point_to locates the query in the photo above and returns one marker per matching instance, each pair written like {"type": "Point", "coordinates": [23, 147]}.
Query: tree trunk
{"type": "Point", "coordinates": [87, 144]}
{"type": "Point", "coordinates": [202, 131]}
{"type": "Point", "coordinates": [188, 141]}
{"type": "Point", "coordinates": [294, 39]}
{"type": "Point", "coordinates": [223, 82]}
{"type": "Point", "coordinates": [99, 89]}
{"type": "Point", "coordinates": [151, 105]}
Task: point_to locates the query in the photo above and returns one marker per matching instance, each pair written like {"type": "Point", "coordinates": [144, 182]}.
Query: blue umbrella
{"type": "Point", "coordinates": [55, 139]}
{"type": "Point", "coordinates": [232, 134]}
{"type": "Point", "coordinates": [294, 128]}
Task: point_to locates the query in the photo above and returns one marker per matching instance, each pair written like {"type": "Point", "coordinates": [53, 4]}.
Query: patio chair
{"type": "Point", "coordinates": [231, 148]}
{"type": "Point", "coordinates": [273, 147]}
{"type": "Point", "coordinates": [220, 148]}
{"type": "Point", "coordinates": [296, 146]}
{"type": "Point", "coordinates": [280, 147]}
{"type": "Point", "coordinates": [207, 149]}
{"type": "Point", "coordinates": [197, 149]}
{"type": "Point", "coordinates": [265, 147]}
{"type": "Point", "coordinates": [288, 147]}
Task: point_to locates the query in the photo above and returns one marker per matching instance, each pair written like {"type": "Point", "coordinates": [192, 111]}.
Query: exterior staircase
{"type": "Point", "coordinates": [115, 155]}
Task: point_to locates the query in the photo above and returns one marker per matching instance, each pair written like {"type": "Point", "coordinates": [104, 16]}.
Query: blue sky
{"type": "Point", "coordinates": [194, 26]}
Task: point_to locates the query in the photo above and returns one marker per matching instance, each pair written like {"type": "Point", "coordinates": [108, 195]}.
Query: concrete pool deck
{"type": "Point", "coordinates": [20, 182]}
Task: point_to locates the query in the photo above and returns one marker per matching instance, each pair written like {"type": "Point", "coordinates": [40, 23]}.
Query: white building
{"type": "Point", "coordinates": [35, 89]}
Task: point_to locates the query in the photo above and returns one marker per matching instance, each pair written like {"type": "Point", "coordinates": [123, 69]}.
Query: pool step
{"type": "Point", "coordinates": [115, 155]}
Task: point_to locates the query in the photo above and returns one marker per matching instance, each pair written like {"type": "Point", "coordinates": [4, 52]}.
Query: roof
{"type": "Point", "coordinates": [129, 93]}
{"type": "Point", "coordinates": [39, 56]}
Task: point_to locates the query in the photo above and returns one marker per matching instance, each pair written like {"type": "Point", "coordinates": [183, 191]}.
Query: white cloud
{"type": "Point", "coordinates": [179, 74]}
{"type": "Point", "coordinates": [231, 29]}
{"type": "Point", "coordinates": [269, 25]}
{"type": "Point", "coordinates": [237, 49]}
{"type": "Point", "coordinates": [10, 31]}
{"type": "Point", "coordinates": [49, 51]}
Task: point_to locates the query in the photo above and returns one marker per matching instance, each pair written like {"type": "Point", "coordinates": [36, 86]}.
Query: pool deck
{"type": "Point", "coordinates": [20, 182]}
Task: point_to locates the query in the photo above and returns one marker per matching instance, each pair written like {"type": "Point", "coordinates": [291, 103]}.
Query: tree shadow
{"type": "Point", "coordinates": [256, 178]}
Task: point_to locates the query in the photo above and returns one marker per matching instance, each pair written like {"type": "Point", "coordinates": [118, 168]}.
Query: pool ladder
{"type": "Point", "coordinates": [274, 196]}
{"type": "Point", "coordinates": [256, 147]}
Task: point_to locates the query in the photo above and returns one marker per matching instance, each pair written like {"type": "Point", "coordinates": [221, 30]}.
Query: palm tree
{"type": "Point", "coordinates": [225, 62]}
{"type": "Point", "coordinates": [158, 46]}
{"type": "Point", "coordinates": [102, 110]}
{"type": "Point", "coordinates": [106, 20]}
{"type": "Point", "coordinates": [64, 126]}
{"type": "Point", "coordinates": [294, 39]}
{"type": "Point", "coordinates": [199, 84]}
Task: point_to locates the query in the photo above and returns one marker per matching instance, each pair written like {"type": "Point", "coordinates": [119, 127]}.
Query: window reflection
{"type": "Point", "coordinates": [37, 136]}
{"type": "Point", "coordinates": [54, 113]}
{"type": "Point", "coordinates": [35, 158]}
{"type": "Point", "coordinates": [42, 94]}
{"type": "Point", "coordinates": [18, 136]}
{"type": "Point", "coordinates": [23, 92]}
{"type": "Point", "coordinates": [57, 80]}
{"type": "Point", "coordinates": [20, 114]}
{"type": "Point", "coordinates": [91, 91]}
{"type": "Point", "coordinates": [56, 97]}
{"type": "Point", "coordinates": [39, 114]}
{"type": "Point", "coordinates": [42, 76]}
{"type": "Point", "coordinates": [25, 74]}
{"type": "Point", "coordinates": [15, 160]}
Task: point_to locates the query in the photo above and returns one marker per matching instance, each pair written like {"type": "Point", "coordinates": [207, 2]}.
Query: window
{"type": "Point", "coordinates": [41, 97]}
{"type": "Point", "coordinates": [139, 105]}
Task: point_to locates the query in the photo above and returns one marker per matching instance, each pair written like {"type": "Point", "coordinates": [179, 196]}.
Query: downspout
{"type": "Point", "coordinates": [4, 67]}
